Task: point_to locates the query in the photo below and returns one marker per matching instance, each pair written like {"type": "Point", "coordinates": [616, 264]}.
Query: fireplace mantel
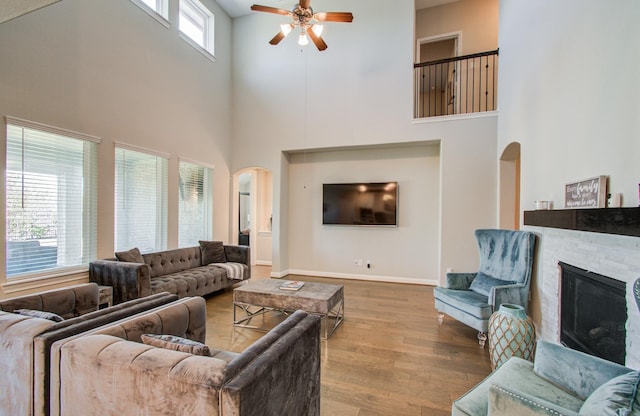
{"type": "Point", "coordinates": [621, 221]}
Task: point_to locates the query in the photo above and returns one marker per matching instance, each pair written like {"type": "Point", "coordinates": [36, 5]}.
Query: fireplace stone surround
{"type": "Point", "coordinates": [616, 256]}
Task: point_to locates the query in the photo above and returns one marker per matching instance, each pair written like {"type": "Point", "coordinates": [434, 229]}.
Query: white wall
{"type": "Point", "coordinates": [358, 92]}
{"type": "Point", "coordinates": [106, 68]}
{"type": "Point", "coordinates": [569, 93]}
{"type": "Point", "coordinates": [406, 253]}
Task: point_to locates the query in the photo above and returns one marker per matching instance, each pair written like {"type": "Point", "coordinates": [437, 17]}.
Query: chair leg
{"type": "Point", "coordinates": [440, 317]}
{"type": "Point", "coordinates": [482, 338]}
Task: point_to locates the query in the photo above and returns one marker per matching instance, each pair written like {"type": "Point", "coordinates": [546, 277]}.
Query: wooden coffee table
{"type": "Point", "coordinates": [262, 296]}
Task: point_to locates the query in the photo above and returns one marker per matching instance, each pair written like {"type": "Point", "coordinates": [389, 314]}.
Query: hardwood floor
{"type": "Point", "coordinates": [390, 357]}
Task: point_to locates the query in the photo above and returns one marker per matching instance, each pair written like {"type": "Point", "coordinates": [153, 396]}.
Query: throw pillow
{"type": "Point", "coordinates": [212, 252]}
{"type": "Point", "coordinates": [615, 397]}
{"type": "Point", "coordinates": [171, 342]}
{"type": "Point", "coordinates": [39, 314]}
{"type": "Point", "coordinates": [482, 283]}
{"type": "Point", "coordinates": [131, 256]}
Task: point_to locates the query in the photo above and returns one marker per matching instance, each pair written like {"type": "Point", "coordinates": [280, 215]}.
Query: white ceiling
{"type": "Point", "coordinates": [237, 8]}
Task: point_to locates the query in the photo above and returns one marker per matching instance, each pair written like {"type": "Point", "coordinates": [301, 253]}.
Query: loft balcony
{"type": "Point", "coordinates": [458, 85]}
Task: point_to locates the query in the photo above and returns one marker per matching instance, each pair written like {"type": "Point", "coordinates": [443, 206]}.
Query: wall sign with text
{"type": "Point", "coordinates": [589, 193]}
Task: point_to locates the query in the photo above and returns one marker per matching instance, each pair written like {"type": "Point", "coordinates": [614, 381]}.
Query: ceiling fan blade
{"type": "Point", "coordinates": [304, 4]}
{"type": "Point", "coordinates": [317, 40]}
{"type": "Point", "coordinates": [267, 9]}
{"type": "Point", "coordinates": [277, 38]}
{"type": "Point", "coordinates": [345, 17]}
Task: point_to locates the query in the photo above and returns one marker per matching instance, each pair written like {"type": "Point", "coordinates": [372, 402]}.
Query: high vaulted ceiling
{"type": "Point", "coordinates": [237, 8]}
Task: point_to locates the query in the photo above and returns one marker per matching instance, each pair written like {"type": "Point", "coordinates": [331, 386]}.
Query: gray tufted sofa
{"type": "Point", "coordinates": [25, 342]}
{"type": "Point", "coordinates": [110, 372]}
{"type": "Point", "coordinates": [178, 271]}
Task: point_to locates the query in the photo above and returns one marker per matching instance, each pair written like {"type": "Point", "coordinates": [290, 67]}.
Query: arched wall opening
{"type": "Point", "coordinates": [509, 187]}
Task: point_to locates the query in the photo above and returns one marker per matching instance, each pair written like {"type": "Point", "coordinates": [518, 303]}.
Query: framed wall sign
{"type": "Point", "coordinates": [588, 193]}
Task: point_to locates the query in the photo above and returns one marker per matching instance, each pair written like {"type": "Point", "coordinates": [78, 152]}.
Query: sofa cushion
{"type": "Point", "coordinates": [465, 300]}
{"type": "Point", "coordinates": [212, 252]}
{"type": "Point", "coordinates": [39, 314]}
{"type": "Point", "coordinates": [482, 283]}
{"type": "Point", "coordinates": [131, 256]}
{"type": "Point", "coordinates": [615, 397]}
{"type": "Point", "coordinates": [174, 343]}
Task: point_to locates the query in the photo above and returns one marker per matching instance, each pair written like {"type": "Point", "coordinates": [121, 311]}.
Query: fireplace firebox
{"type": "Point", "coordinates": [593, 313]}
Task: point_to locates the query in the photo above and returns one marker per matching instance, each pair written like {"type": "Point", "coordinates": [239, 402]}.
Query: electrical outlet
{"type": "Point", "coordinates": [368, 264]}
{"type": "Point", "coordinates": [359, 262]}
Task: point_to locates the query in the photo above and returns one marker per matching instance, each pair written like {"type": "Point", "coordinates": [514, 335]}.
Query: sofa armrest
{"type": "Point", "coordinates": [16, 365]}
{"type": "Point", "coordinates": [514, 293]}
{"type": "Point", "coordinates": [459, 281]}
{"type": "Point", "coordinates": [505, 401]}
{"type": "Point", "coordinates": [238, 254]}
{"type": "Point", "coordinates": [279, 374]}
{"type": "Point", "coordinates": [129, 280]}
{"type": "Point", "coordinates": [68, 302]}
{"type": "Point", "coordinates": [574, 371]}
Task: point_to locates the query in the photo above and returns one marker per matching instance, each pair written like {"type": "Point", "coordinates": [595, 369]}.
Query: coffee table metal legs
{"type": "Point", "coordinates": [330, 321]}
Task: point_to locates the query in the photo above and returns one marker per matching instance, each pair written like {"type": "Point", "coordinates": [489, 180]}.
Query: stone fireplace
{"type": "Point", "coordinates": [612, 255]}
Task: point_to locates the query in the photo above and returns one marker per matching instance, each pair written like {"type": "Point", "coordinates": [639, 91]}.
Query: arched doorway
{"type": "Point", "coordinates": [252, 209]}
{"type": "Point", "coordinates": [509, 191]}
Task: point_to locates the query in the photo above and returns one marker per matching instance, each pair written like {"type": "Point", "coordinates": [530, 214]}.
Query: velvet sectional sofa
{"type": "Point", "coordinates": [190, 271]}
{"type": "Point", "coordinates": [26, 340]}
{"type": "Point", "coordinates": [110, 371]}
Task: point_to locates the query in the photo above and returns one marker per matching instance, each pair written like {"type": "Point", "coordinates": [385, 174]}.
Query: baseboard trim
{"type": "Point", "coordinates": [371, 278]}
{"type": "Point", "coordinates": [263, 263]}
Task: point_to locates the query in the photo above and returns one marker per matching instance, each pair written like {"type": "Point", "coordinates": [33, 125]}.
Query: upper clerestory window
{"type": "Point", "coordinates": [196, 23]}
{"type": "Point", "coordinates": [158, 9]}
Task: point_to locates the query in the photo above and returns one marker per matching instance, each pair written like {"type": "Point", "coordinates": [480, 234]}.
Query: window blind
{"type": "Point", "coordinates": [140, 201]}
{"type": "Point", "coordinates": [51, 198]}
{"type": "Point", "coordinates": [194, 204]}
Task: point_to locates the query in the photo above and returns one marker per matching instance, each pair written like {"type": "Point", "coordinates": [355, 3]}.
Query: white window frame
{"type": "Point", "coordinates": [206, 229]}
{"type": "Point", "coordinates": [193, 10]}
{"type": "Point", "coordinates": [160, 12]}
{"type": "Point", "coordinates": [161, 194]}
{"type": "Point", "coordinates": [73, 254]}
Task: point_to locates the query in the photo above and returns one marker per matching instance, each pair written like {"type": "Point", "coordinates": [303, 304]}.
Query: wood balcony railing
{"type": "Point", "coordinates": [459, 85]}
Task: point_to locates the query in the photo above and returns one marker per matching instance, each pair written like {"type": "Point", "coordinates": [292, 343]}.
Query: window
{"type": "Point", "coordinates": [51, 191]}
{"type": "Point", "coordinates": [140, 200]}
{"type": "Point", "coordinates": [196, 22]}
{"type": "Point", "coordinates": [194, 204]}
{"type": "Point", "coordinates": [158, 9]}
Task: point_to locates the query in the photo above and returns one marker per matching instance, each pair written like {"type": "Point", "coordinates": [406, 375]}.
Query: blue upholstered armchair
{"type": "Point", "coordinates": [504, 276]}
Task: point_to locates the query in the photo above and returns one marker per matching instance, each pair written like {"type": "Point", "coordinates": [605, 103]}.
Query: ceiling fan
{"type": "Point", "coordinates": [304, 18]}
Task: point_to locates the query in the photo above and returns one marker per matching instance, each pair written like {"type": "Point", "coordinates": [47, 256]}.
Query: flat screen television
{"type": "Point", "coordinates": [360, 203]}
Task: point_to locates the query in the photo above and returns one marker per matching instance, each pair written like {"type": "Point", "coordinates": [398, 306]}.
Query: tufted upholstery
{"type": "Point", "coordinates": [25, 343]}
{"type": "Point", "coordinates": [506, 259]}
{"type": "Point", "coordinates": [109, 372]}
{"type": "Point", "coordinates": [178, 271]}
{"type": "Point", "coordinates": [67, 302]}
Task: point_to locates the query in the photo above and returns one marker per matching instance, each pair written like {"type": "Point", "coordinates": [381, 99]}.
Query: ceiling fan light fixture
{"type": "Point", "coordinates": [303, 40]}
{"type": "Point", "coordinates": [286, 28]}
{"type": "Point", "coordinates": [317, 29]}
